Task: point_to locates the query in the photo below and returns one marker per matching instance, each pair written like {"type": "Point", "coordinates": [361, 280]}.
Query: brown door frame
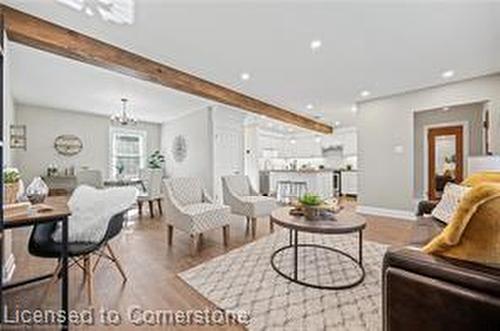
{"type": "Point", "coordinates": [432, 133]}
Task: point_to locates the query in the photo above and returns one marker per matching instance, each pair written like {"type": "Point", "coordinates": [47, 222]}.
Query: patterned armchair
{"type": "Point", "coordinates": [190, 209]}
{"type": "Point", "coordinates": [244, 200]}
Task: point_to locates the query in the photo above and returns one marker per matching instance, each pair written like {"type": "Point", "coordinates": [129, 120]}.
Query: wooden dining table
{"type": "Point", "coordinates": [53, 210]}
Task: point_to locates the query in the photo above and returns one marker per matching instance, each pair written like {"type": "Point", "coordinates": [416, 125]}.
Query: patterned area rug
{"type": "Point", "coordinates": [244, 280]}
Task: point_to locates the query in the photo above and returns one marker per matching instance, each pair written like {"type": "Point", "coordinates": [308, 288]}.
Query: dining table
{"type": "Point", "coordinates": [53, 210]}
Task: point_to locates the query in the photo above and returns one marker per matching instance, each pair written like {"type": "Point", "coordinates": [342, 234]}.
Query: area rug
{"type": "Point", "coordinates": [243, 280]}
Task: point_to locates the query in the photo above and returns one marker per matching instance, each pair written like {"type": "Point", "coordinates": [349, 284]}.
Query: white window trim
{"type": "Point", "coordinates": [115, 130]}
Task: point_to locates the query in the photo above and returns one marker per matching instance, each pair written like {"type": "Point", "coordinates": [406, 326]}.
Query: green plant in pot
{"type": "Point", "coordinates": [310, 203]}
{"type": "Point", "coordinates": [156, 160]}
{"type": "Point", "coordinates": [11, 178]}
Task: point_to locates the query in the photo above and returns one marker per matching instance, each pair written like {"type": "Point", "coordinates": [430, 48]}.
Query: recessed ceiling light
{"type": "Point", "coordinates": [446, 108]}
{"type": "Point", "coordinates": [245, 76]}
{"type": "Point", "coordinates": [318, 139]}
{"type": "Point", "coordinates": [337, 123]}
{"type": "Point", "coordinates": [292, 141]}
{"type": "Point", "coordinates": [448, 74]}
{"type": "Point", "coordinates": [310, 106]}
{"type": "Point", "coordinates": [354, 109]}
{"type": "Point", "coordinates": [365, 93]}
{"type": "Point", "coordinates": [315, 44]}
{"type": "Point", "coordinates": [290, 130]}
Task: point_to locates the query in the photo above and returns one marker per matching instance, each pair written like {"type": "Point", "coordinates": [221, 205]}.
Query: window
{"type": "Point", "coordinates": [127, 152]}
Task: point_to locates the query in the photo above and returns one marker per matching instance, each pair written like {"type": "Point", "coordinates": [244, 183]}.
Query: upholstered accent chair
{"type": "Point", "coordinates": [190, 209]}
{"type": "Point", "coordinates": [151, 178]}
{"type": "Point", "coordinates": [244, 200]}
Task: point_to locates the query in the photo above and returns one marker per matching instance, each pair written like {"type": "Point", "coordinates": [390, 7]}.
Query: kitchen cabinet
{"type": "Point", "coordinates": [345, 137]}
{"type": "Point", "coordinates": [305, 146]}
{"type": "Point", "coordinates": [349, 182]}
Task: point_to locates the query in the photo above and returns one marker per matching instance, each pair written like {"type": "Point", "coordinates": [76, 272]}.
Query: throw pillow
{"type": "Point", "coordinates": [450, 200]}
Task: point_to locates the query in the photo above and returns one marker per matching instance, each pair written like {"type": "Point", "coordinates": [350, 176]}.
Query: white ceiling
{"type": "Point", "coordinates": [383, 47]}
{"type": "Point", "coordinates": [44, 79]}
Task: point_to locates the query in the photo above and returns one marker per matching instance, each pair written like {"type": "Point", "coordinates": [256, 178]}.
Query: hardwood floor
{"type": "Point", "coordinates": [151, 267]}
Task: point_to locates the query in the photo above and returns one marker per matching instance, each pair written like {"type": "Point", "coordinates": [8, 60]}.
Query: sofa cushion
{"type": "Point", "coordinates": [424, 230]}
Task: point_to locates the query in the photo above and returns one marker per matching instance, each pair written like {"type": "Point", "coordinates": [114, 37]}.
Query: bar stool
{"type": "Point", "coordinates": [283, 190]}
{"type": "Point", "coordinates": [298, 189]}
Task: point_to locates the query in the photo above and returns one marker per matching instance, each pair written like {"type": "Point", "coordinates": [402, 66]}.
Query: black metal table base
{"type": "Point", "coordinates": [25, 282]}
{"type": "Point", "coordinates": [295, 246]}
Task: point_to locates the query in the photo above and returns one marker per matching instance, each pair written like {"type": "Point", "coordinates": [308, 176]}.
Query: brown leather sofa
{"type": "Point", "coordinates": [423, 292]}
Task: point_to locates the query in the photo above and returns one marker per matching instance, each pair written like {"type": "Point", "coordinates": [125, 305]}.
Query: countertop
{"type": "Point", "coordinates": [307, 171]}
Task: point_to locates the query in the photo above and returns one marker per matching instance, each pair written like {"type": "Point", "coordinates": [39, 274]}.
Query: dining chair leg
{"type": "Point", "coordinates": [97, 262]}
{"type": "Point", "coordinates": [159, 206]}
{"type": "Point", "coordinates": [271, 225]}
{"type": "Point", "coordinates": [116, 262]}
{"type": "Point", "coordinates": [52, 281]}
{"type": "Point", "coordinates": [254, 227]}
{"type": "Point", "coordinates": [170, 234]}
{"type": "Point", "coordinates": [89, 278]}
{"type": "Point", "coordinates": [139, 205]}
{"type": "Point", "coordinates": [248, 225]}
{"type": "Point", "coordinates": [195, 244]}
{"type": "Point", "coordinates": [55, 276]}
{"type": "Point", "coordinates": [86, 266]}
{"type": "Point", "coordinates": [151, 213]}
{"type": "Point", "coordinates": [225, 235]}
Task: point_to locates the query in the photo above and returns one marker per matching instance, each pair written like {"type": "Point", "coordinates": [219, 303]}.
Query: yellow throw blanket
{"type": "Point", "coordinates": [482, 177]}
{"type": "Point", "coordinates": [473, 233]}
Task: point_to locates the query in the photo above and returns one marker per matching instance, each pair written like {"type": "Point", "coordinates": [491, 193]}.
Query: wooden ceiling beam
{"type": "Point", "coordinates": [38, 33]}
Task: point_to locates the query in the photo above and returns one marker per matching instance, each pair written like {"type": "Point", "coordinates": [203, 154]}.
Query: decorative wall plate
{"type": "Point", "coordinates": [179, 148]}
{"type": "Point", "coordinates": [68, 145]}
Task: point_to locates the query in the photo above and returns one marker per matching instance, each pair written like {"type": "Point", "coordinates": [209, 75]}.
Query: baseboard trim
{"type": "Point", "coordinates": [386, 212]}
{"type": "Point", "coordinates": [8, 268]}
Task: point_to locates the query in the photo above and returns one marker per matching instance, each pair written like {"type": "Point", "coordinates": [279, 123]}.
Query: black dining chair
{"type": "Point", "coordinates": [42, 245]}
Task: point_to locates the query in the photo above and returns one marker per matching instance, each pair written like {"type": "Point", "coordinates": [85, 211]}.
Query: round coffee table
{"type": "Point", "coordinates": [345, 222]}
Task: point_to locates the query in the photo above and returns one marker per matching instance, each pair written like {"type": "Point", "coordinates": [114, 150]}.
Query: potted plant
{"type": "Point", "coordinates": [156, 160]}
{"type": "Point", "coordinates": [11, 179]}
{"type": "Point", "coordinates": [311, 203]}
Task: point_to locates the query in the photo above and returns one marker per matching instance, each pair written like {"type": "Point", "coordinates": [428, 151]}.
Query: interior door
{"type": "Point", "coordinates": [229, 155]}
{"type": "Point", "coordinates": [446, 162]}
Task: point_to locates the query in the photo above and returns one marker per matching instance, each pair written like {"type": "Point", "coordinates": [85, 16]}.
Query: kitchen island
{"type": "Point", "coordinates": [318, 181]}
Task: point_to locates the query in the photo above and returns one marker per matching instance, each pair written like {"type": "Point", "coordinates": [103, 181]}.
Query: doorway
{"type": "Point", "coordinates": [445, 158]}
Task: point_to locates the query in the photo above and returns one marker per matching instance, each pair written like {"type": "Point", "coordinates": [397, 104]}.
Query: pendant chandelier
{"type": "Point", "coordinates": [122, 118]}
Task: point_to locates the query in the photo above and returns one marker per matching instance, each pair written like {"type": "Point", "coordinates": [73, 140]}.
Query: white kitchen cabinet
{"type": "Point", "coordinates": [349, 182]}
{"type": "Point", "coordinates": [350, 143]}
{"type": "Point", "coordinates": [345, 137]}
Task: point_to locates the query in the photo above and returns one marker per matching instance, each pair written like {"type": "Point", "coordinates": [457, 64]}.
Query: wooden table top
{"type": "Point", "coordinates": [345, 222]}
{"type": "Point", "coordinates": [60, 210]}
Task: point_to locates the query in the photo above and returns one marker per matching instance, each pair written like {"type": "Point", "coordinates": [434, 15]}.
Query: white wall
{"type": "Point", "coordinates": [8, 119]}
{"type": "Point", "coordinates": [196, 128]}
{"type": "Point", "coordinates": [385, 137]}
{"type": "Point", "coordinates": [43, 125]}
